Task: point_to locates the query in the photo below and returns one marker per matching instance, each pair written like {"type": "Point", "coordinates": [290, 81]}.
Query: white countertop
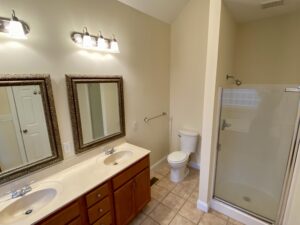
{"type": "Point", "coordinates": [74, 182]}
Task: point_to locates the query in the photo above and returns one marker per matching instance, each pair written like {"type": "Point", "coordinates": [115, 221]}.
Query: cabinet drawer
{"type": "Point", "coordinates": [65, 216]}
{"type": "Point", "coordinates": [76, 221]}
{"type": "Point", "coordinates": [129, 173]}
{"type": "Point", "coordinates": [97, 195]}
{"type": "Point", "coordinates": [105, 220]}
{"type": "Point", "coordinates": [98, 210]}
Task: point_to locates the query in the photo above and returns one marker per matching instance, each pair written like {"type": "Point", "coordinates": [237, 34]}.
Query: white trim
{"type": "Point", "coordinates": [206, 157]}
{"type": "Point", "coordinates": [235, 213]}
{"type": "Point", "coordinates": [158, 162]}
{"type": "Point", "coordinates": [194, 165]}
{"type": "Point", "coordinates": [203, 206]}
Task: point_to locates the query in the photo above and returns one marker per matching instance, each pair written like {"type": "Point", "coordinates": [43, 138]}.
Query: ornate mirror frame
{"type": "Point", "coordinates": [71, 81]}
{"type": "Point", "coordinates": [44, 82]}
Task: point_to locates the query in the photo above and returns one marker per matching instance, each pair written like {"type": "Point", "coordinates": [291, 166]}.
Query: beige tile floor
{"type": "Point", "coordinates": [175, 204]}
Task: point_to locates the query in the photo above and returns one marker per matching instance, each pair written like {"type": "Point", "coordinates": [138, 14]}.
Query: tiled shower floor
{"type": "Point", "coordinates": [175, 204]}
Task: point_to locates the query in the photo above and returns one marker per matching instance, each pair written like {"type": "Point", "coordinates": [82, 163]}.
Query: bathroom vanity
{"type": "Point", "coordinates": [103, 190]}
{"type": "Point", "coordinates": [108, 187]}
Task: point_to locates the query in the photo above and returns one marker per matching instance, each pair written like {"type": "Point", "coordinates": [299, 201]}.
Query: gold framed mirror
{"type": "Point", "coordinates": [97, 109]}
{"type": "Point", "coordinates": [29, 135]}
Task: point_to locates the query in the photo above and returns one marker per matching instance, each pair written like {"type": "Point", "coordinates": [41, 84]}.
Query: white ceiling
{"type": "Point", "coordinates": [249, 10]}
{"type": "Point", "coordinates": [164, 10]}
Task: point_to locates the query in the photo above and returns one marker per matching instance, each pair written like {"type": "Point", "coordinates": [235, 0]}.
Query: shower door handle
{"type": "Point", "coordinates": [297, 89]}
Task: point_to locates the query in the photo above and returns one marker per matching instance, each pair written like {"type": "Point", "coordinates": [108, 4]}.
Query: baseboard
{"type": "Point", "coordinates": [158, 162]}
{"type": "Point", "coordinates": [203, 206]}
{"type": "Point", "coordinates": [194, 165]}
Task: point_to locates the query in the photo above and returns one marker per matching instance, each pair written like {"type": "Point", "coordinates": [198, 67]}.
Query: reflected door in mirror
{"type": "Point", "coordinates": [24, 135]}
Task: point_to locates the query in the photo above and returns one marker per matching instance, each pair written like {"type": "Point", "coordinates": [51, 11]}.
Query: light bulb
{"type": "Point", "coordinates": [114, 47]}
{"type": "Point", "coordinates": [78, 38]}
{"type": "Point", "coordinates": [16, 30]}
{"type": "Point", "coordinates": [87, 41]}
{"type": "Point", "coordinates": [102, 43]}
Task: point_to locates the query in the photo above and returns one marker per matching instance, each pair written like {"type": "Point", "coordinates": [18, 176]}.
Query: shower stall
{"type": "Point", "coordinates": [257, 147]}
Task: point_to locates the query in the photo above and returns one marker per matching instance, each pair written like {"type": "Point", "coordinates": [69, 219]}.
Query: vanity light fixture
{"type": "Point", "coordinates": [93, 42]}
{"type": "Point", "coordinates": [14, 27]}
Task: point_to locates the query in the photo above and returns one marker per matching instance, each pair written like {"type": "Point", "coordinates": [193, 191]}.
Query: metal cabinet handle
{"type": "Point", "coordinates": [99, 195]}
{"type": "Point", "coordinates": [100, 210]}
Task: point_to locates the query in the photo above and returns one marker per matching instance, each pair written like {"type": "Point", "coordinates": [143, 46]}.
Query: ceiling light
{"type": "Point", "coordinates": [265, 4]}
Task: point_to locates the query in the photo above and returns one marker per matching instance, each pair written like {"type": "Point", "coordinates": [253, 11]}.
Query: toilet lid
{"type": "Point", "coordinates": [178, 157]}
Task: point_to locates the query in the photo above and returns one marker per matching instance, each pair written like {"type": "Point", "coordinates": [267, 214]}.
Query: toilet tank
{"type": "Point", "coordinates": [188, 141]}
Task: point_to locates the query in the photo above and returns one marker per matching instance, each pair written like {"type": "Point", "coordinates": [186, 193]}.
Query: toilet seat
{"type": "Point", "coordinates": [177, 157]}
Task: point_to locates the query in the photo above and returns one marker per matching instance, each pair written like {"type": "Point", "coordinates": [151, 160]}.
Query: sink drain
{"type": "Point", "coordinates": [29, 211]}
{"type": "Point", "coordinates": [115, 163]}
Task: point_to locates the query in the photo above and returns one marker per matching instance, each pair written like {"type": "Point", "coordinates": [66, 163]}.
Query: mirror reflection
{"type": "Point", "coordinates": [99, 110]}
{"type": "Point", "coordinates": [24, 137]}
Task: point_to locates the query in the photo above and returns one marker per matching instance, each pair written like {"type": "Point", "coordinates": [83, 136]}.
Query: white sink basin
{"type": "Point", "coordinates": [118, 158]}
{"type": "Point", "coordinates": [27, 205]}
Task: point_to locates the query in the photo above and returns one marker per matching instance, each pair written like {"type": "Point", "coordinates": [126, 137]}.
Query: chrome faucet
{"type": "Point", "coordinates": [21, 192]}
{"type": "Point", "coordinates": [109, 151]}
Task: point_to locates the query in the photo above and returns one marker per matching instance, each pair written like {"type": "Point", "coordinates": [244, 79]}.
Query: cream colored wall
{"type": "Point", "coordinates": [188, 57]}
{"type": "Point", "coordinates": [267, 51]}
{"type": "Point", "coordinates": [227, 47]}
{"type": "Point", "coordinates": [143, 61]}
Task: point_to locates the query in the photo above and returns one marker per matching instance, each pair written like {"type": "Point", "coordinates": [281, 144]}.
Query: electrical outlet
{"type": "Point", "coordinates": [134, 126]}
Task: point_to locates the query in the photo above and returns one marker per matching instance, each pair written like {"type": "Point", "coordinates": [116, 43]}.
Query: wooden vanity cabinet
{"type": "Point", "coordinates": [69, 215]}
{"type": "Point", "coordinates": [116, 202]}
{"type": "Point", "coordinates": [131, 191]}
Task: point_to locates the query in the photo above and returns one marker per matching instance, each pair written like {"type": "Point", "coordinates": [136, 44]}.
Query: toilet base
{"type": "Point", "coordinates": [178, 174]}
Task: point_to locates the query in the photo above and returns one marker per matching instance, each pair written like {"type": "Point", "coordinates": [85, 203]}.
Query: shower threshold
{"type": "Point", "coordinates": [238, 213]}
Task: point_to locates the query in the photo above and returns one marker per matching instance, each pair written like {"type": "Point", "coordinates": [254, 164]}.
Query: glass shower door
{"type": "Point", "coordinates": [256, 132]}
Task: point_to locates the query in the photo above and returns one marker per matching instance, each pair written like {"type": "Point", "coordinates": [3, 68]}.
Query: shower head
{"type": "Point", "coordinates": [236, 81]}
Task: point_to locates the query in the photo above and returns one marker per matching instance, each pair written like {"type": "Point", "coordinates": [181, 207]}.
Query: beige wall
{"type": "Point", "coordinates": [268, 50]}
{"type": "Point", "coordinates": [227, 47]}
{"type": "Point", "coordinates": [188, 57]}
{"type": "Point", "coordinates": [143, 62]}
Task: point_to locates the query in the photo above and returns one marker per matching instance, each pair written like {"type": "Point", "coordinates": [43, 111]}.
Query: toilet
{"type": "Point", "coordinates": [178, 160]}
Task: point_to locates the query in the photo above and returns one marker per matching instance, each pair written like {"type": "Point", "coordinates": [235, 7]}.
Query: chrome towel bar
{"type": "Point", "coordinates": [147, 119]}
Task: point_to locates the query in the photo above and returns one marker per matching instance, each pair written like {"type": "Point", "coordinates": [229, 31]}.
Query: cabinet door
{"type": "Point", "coordinates": [124, 203]}
{"type": "Point", "coordinates": [142, 189]}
